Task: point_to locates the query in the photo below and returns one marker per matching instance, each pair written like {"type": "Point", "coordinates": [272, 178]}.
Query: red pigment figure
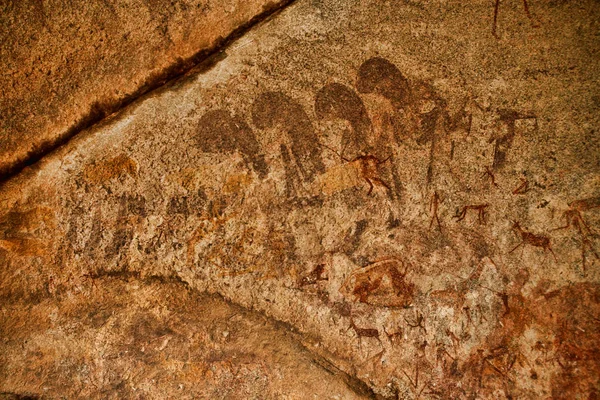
{"type": "Point", "coordinates": [367, 167]}
{"type": "Point", "coordinates": [573, 217]}
{"type": "Point", "coordinates": [477, 207]}
{"type": "Point", "coordinates": [533, 240]}
{"type": "Point", "coordinates": [433, 207]}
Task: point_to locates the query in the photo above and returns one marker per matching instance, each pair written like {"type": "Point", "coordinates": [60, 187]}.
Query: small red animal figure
{"type": "Point", "coordinates": [573, 217]}
{"type": "Point", "coordinates": [522, 188]}
{"type": "Point", "coordinates": [364, 332]}
{"type": "Point", "coordinates": [532, 239]}
{"type": "Point", "coordinates": [478, 207]}
{"type": "Point", "coordinates": [395, 336]}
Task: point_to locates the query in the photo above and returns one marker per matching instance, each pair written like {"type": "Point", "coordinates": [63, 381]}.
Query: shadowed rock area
{"type": "Point", "coordinates": [409, 190]}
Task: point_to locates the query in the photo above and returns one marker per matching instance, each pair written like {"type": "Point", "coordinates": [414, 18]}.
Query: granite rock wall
{"type": "Point", "coordinates": [411, 188]}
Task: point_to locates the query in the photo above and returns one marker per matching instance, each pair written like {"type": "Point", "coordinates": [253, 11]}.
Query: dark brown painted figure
{"type": "Point", "coordinates": [221, 132]}
{"type": "Point", "coordinates": [480, 208]}
{"type": "Point", "coordinates": [338, 101]}
{"type": "Point", "coordinates": [364, 332]}
{"type": "Point", "coordinates": [378, 75]}
{"type": "Point", "coordinates": [504, 142]}
{"type": "Point", "coordinates": [429, 110]}
{"type": "Point", "coordinates": [434, 204]}
{"type": "Point", "coordinates": [275, 109]}
{"type": "Point", "coordinates": [423, 109]}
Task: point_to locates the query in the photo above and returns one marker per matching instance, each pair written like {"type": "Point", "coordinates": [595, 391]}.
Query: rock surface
{"type": "Point", "coordinates": [411, 187]}
{"type": "Point", "coordinates": [66, 64]}
{"type": "Point", "coordinates": [121, 337]}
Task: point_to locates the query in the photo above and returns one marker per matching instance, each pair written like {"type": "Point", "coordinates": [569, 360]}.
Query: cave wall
{"type": "Point", "coordinates": [411, 189]}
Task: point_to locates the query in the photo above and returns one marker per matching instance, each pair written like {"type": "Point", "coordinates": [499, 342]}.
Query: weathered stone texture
{"type": "Point", "coordinates": [66, 64]}
{"type": "Point", "coordinates": [411, 189]}
{"type": "Point", "coordinates": [121, 337]}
